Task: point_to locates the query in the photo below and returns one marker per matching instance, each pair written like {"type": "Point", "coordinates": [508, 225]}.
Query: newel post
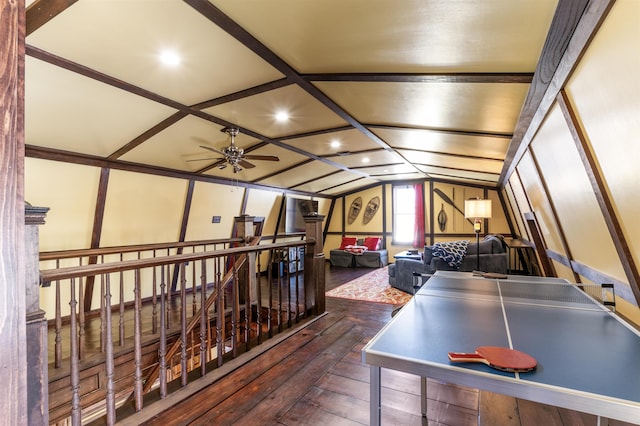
{"type": "Point", "coordinates": [37, 355]}
{"type": "Point", "coordinates": [314, 263]}
{"type": "Point", "coordinates": [245, 230]}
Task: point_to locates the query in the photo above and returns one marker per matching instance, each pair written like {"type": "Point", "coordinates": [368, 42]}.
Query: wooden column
{"type": "Point", "coordinates": [13, 348]}
{"type": "Point", "coordinates": [37, 355]}
{"type": "Point", "coordinates": [314, 265]}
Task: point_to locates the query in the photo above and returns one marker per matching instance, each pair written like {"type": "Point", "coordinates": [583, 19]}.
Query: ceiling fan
{"type": "Point", "coordinates": [234, 155]}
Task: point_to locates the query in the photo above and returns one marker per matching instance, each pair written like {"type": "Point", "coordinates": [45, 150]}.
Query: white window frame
{"type": "Point", "coordinates": [404, 214]}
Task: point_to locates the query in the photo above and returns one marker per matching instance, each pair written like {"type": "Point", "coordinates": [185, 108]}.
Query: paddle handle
{"type": "Point", "coordinates": [466, 357]}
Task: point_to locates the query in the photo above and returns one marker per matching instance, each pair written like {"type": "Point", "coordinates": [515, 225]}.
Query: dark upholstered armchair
{"type": "Point", "coordinates": [493, 258]}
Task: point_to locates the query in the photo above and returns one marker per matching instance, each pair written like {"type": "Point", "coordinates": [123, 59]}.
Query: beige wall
{"type": "Point", "coordinates": [457, 227]}
{"type": "Point", "coordinates": [604, 93]}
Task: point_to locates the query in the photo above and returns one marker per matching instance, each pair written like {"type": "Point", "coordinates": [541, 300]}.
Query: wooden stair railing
{"type": "Point", "coordinates": [195, 319]}
{"type": "Point", "coordinates": [243, 259]}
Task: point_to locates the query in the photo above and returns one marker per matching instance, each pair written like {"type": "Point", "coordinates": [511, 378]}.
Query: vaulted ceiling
{"type": "Point", "coordinates": [374, 90]}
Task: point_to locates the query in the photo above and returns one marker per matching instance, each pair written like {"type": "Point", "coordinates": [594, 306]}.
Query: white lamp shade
{"type": "Point", "coordinates": [474, 209]}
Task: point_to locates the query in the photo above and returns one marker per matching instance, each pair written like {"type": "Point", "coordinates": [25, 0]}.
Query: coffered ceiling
{"type": "Point", "coordinates": [374, 90]}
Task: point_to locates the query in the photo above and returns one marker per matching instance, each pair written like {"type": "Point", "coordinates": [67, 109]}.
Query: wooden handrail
{"type": "Point", "coordinates": [49, 275]}
{"type": "Point", "coordinates": [66, 254]}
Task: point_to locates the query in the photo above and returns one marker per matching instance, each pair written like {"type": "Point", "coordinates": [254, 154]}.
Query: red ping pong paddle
{"type": "Point", "coordinates": [497, 357]}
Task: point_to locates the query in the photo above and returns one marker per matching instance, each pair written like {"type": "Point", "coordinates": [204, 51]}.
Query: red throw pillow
{"type": "Point", "coordinates": [348, 241]}
{"type": "Point", "coordinates": [372, 243]}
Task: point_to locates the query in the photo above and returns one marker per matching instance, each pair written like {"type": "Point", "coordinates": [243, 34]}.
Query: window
{"type": "Point", "coordinates": [404, 214]}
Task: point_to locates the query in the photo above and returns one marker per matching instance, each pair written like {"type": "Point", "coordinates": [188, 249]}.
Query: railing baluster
{"type": "Point", "coordinates": [81, 348]}
{"type": "Point", "coordinates": [270, 290]}
{"type": "Point", "coordinates": [121, 328]}
{"type": "Point", "coordinates": [183, 324]}
{"type": "Point", "coordinates": [203, 317]}
{"type": "Point", "coordinates": [169, 292]}
{"type": "Point", "coordinates": [194, 305]}
{"type": "Point", "coordinates": [76, 418]}
{"type": "Point", "coordinates": [234, 309]}
{"type": "Point", "coordinates": [58, 338]}
{"type": "Point", "coordinates": [220, 313]}
{"type": "Point", "coordinates": [247, 308]}
{"type": "Point", "coordinates": [297, 292]}
{"type": "Point", "coordinates": [154, 300]}
{"type": "Point", "coordinates": [163, 335]}
{"type": "Point", "coordinates": [280, 281]}
{"type": "Point", "coordinates": [137, 337]}
{"type": "Point", "coordinates": [295, 265]}
{"type": "Point", "coordinates": [259, 300]}
{"type": "Point", "coordinates": [103, 319]}
{"type": "Point", "coordinates": [105, 286]}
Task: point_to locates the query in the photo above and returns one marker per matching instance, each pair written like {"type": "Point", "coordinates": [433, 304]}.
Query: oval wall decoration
{"type": "Point", "coordinates": [354, 210]}
{"type": "Point", "coordinates": [442, 218]}
{"type": "Point", "coordinates": [371, 209]}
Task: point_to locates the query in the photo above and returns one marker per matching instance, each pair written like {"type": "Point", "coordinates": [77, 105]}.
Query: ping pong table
{"type": "Point", "coordinates": [588, 358]}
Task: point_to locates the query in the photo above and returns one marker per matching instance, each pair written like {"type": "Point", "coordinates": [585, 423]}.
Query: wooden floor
{"type": "Point", "coordinates": [316, 377]}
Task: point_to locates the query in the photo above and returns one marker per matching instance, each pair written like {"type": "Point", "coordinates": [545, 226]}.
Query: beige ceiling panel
{"type": "Point", "coordinates": [325, 184]}
{"type": "Point", "coordinates": [292, 177]}
{"type": "Point", "coordinates": [452, 162]}
{"type": "Point", "coordinates": [463, 180]}
{"type": "Point", "coordinates": [364, 159]}
{"type": "Point", "coordinates": [331, 143]}
{"type": "Point", "coordinates": [434, 141]}
{"type": "Point", "coordinates": [387, 36]}
{"type": "Point", "coordinates": [258, 112]}
{"type": "Point", "coordinates": [401, 176]}
{"type": "Point", "coordinates": [482, 107]}
{"type": "Point", "coordinates": [441, 173]}
{"type": "Point", "coordinates": [67, 111]}
{"type": "Point", "coordinates": [175, 146]}
{"type": "Point", "coordinates": [350, 186]}
{"type": "Point", "coordinates": [263, 168]}
{"type": "Point", "coordinates": [124, 39]}
{"type": "Point", "coordinates": [382, 171]}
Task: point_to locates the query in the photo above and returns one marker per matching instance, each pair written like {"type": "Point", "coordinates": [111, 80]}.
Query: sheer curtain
{"type": "Point", "coordinates": [418, 236]}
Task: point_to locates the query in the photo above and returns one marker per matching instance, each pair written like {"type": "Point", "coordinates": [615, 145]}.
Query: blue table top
{"type": "Point", "coordinates": [584, 351]}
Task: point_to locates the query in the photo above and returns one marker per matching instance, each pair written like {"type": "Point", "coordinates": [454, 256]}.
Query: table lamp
{"type": "Point", "coordinates": [477, 209]}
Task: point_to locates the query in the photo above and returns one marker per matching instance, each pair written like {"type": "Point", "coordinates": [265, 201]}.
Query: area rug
{"type": "Point", "coordinates": [372, 287]}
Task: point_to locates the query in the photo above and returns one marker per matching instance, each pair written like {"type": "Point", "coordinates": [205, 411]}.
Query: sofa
{"type": "Point", "coordinates": [363, 252]}
{"type": "Point", "coordinates": [493, 258]}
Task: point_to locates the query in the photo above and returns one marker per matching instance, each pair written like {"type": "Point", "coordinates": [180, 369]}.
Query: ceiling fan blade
{"type": "Point", "coordinates": [207, 159]}
{"type": "Point", "coordinates": [246, 164]}
{"type": "Point", "coordinates": [262, 157]}
{"type": "Point", "coordinates": [212, 149]}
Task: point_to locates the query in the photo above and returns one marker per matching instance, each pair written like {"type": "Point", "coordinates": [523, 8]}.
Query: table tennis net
{"type": "Point", "coordinates": [531, 292]}
{"type": "Point", "coordinates": [583, 294]}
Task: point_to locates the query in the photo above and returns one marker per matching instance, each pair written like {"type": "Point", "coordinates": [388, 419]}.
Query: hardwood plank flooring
{"type": "Point", "coordinates": [317, 377]}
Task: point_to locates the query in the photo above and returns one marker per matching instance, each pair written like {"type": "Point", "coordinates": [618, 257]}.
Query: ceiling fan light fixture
{"type": "Point", "coordinates": [234, 155]}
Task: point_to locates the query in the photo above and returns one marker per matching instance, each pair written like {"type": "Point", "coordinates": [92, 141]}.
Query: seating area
{"type": "Point", "coordinates": [493, 258]}
{"type": "Point", "coordinates": [363, 252]}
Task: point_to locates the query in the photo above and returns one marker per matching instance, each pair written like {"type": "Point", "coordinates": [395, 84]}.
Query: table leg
{"type": "Point", "coordinates": [423, 396]}
{"type": "Point", "coordinates": [374, 397]}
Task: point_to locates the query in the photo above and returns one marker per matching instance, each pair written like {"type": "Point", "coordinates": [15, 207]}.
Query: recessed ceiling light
{"type": "Point", "coordinates": [282, 116]}
{"type": "Point", "coordinates": [335, 143]}
{"type": "Point", "coordinates": [365, 160]}
{"type": "Point", "coordinates": [170, 58]}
